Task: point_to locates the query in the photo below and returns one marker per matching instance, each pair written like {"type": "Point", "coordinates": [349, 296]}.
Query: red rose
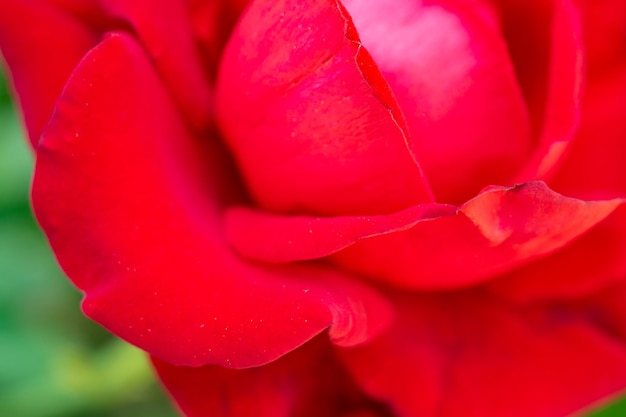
{"type": "Point", "coordinates": [325, 208]}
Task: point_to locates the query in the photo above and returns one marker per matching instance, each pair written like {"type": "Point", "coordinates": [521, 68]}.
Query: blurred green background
{"type": "Point", "coordinates": [53, 361]}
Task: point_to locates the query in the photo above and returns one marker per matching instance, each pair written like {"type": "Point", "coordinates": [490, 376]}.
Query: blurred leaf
{"type": "Point", "coordinates": [615, 408]}
{"type": "Point", "coordinates": [4, 90]}
{"type": "Point", "coordinates": [82, 383]}
{"type": "Point", "coordinates": [26, 263]}
{"type": "Point", "coordinates": [15, 162]}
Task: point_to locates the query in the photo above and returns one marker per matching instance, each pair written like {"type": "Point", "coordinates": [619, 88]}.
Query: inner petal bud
{"type": "Point", "coordinates": [451, 73]}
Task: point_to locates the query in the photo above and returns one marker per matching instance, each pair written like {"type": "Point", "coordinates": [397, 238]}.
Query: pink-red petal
{"type": "Point", "coordinates": [450, 70]}
{"type": "Point", "coordinates": [41, 44]}
{"type": "Point", "coordinates": [563, 89]}
{"type": "Point", "coordinates": [87, 11]}
{"type": "Point", "coordinates": [500, 229]}
{"type": "Point", "coordinates": [604, 22]}
{"type": "Point", "coordinates": [275, 238]}
{"type": "Point", "coordinates": [131, 204]}
{"type": "Point", "coordinates": [593, 169]}
{"type": "Point", "coordinates": [164, 28]}
{"type": "Point", "coordinates": [595, 166]}
{"type": "Point", "coordinates": [305, 383]}
{"type": "Point", "coordinates": [308, 117]}
{"type": "Point", "coordinates": [435, 246]}
{"type": "Point", "coordinates": [607, 309]}
{"type": "Point", "coordinates": [467, 354]}
{"type": "Point", "coordinates": [592, 263]}
{"type": "Point", "coordinates": [212, 21]}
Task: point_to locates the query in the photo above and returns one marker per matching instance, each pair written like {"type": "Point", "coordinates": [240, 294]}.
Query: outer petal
{"type": "Point", "coordinates": [594, 262]}
{"type": "Point", "coordinates": [130, 203]}
{"type": "Point", "coordinates": [495, 232]}
{"type": "Point", "coordinates": [88, 11]}
{"type": "Point", "coordinates": [469, 355]}
{"type": "Point", "coordinates": [604, 22]}
{"type": "Point", "coordinates": [595, 166]}
{"type": "Point", "coordinates": [212, 22]}
{"type": "Point", "coordinates": [273, 238]}
{"type": "Point", "coordinates": [41, 44]}
{"type": "Point", "coordinates": [450, 70]}
{"type": "Point", "coordinates": [608, 309]}
{"type": "Point", "coordinates": [429, 246]}
{"type": "Point", "coordinates": [311, 121]}
{"type": "Point", "coordinates": [164, 27]}
{"type": "Point", "coordinates": [593, 169]}
{"type": "Point", "coordinates": [560, 109]}
{"type": "Point", "coordinates": [305, 383]}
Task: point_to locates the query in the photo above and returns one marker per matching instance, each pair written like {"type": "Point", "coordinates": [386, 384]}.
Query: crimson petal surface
{"type": "Point", "coordinates": [131, 205]}
{"type": "Point", "coordinates": [429, 246]}
{"type": "Point", "coordinates": [272, 238]}
{"type": "Point", "coordinates": [450, 70]}
{"type": "Point", "coordinates": [461, 354]}
{"type": "Point", "coordinates": [563, 86]}
{"type": "Point", "coordinates": [43, 34]}
{"type": "Point", "coordinates": [308, 116]}
{"type": "Point", "coordinates": [164, 29]}
{"type": "Point", "coordinates": [305, 383]}
{"type": "Point", "coordinates": [591, 170]}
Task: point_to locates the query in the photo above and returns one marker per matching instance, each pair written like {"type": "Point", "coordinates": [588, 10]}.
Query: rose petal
{"type": "Point", "coordinates": [431, 246]}
{"type": "Point", "coordinates": [604, 22]}
{"type": "Point", "coordinates": [590, 264]}
{"type": "Point", "coordinates": [164, 29]}
{"type": "Point", "coordinates": [607, 309]}
{"type": "Point", "coordinates": [275, 238]}
{"type": "Point", "coordinates": [212, 21]}
{"type": "Point", "coordinates": [41, 45]}
{"type": "Point", "coordinates": [593, 169]}
{"type": "Point", "coordinates": [500, 229]}
{"type": "Point", "coordinates": [527, 23]}
{"type": "Point", "coordinates": [469, 355]}
{"type": "Point", "coordinates": [308, 116]}
{"type": "Point", "coordinates": [305, 383]}
{"type": "Point", "coordinates": [88, 11]}
{"type": "Point", "coordinates": [451, 73]}
{"type": "Point", "coordinates": [563, 88]}
{"type": "Point", "coordinates": [130, 203]}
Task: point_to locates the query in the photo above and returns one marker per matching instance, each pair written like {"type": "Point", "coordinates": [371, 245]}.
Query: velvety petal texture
{"type": "Point", "coordinates": [563, 86]}
{"type": "Point", "coordinates": [500, 229]}
{"type": "Point", "coordinates": [467, 354]}
{"type": "Point", "coordinates": [275, 238]}
{"type": "Point", "coordinates": [212, 22]}
{"type": "Point", "coordinates": [604, 22]}
{"type": "Point", "coordinates": [592, 169]}
{"type": "Point", "coordinates": [142, 198]}
{"type": "Point", "coordinates": [309, 118]}
{"type": "Point", "coordinates": [589, 265]}
{"type": "Point", "coordinates": [54, 40]}
{"type": "Point", "coordinates": [357, 208]}
{"type": "Point", "coordinates": [305, 383]}
{"type": "Point", "coordinates": [455, 83]}
{"type": "Point", "coordinates": [164, 29]}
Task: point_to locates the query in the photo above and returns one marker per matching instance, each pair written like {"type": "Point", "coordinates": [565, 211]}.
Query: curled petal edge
{"type": "Point", "coordinates": [130, 203]}
{"type": "Point", "coordinates": [427, 246]}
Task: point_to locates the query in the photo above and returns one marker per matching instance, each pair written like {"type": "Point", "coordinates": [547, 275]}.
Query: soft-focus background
{"type": "Point", "coordinates": [53, 361]}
